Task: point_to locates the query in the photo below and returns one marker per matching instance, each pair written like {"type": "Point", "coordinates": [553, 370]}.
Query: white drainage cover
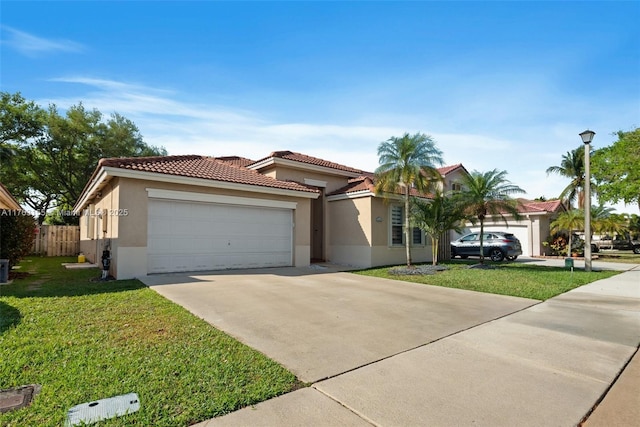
{"type": "Point", "coordinates": [92, 412]}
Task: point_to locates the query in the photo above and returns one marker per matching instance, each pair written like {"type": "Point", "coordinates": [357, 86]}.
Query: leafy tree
{"type": "Point", "coordinates": [488, 193]}
{"type": "Point", "coordinates": [407, 163]}
{"type": "Point", "coordinates": [437, 216]}
{"type": "Point", "coordinates": [572, 167]}
{"type": "Point", "coordinates": [20, 121]}
{"type": "Point", "coordinates": [54, 155]}
{"type": "Point", "coordinates": [616, 169]}
{"type": "Point", "coordinates": [16, 235]}
{"type": "Point", "coordinates": [569, 221]}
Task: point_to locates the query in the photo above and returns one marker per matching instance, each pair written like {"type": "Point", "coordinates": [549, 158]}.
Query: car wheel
{"type": "Point", "coordinates": [512, 258]}
{"type": "Point", "coordinates": [594, 248]}
{"type": "Point", "coordinates": [464, 256]}
{"type": "Point", "coordinates": [636, 250]}
{"type": "Point", "coordinates": [496, 255]}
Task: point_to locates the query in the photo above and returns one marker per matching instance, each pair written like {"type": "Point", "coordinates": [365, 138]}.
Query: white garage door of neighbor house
{"type": "Point", "coordinates": [521, 232]}
{"type": "Point", "coordinates": [194, 236]}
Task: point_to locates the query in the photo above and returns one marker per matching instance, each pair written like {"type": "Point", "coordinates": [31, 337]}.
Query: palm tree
{"type": "Point", "coordinates": [572, 167]}
{"type": "Point", "coordinates": [436, 217]}
{"type": "Point", "coordinates": [605, 220]}
{"type": "Point", "coordinates": [488, 193]}
{"type": "Point", "coordinates": [407, 162]}
{"type": "Point", "coordinates": [569, 221]}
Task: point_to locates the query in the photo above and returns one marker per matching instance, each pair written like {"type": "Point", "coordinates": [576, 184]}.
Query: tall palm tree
{"type": "Point", "coordinates": [572, 167]}
{"type": "Point", "coordinates": [406, 163]}
{"type": "Point", "coordinates": [570, 221]}
{"type": "Point", "coordinates": [437, 216]}
{"type": "Point", "coordinates": [488, 193]}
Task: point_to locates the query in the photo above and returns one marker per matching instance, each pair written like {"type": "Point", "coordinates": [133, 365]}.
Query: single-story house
{"type": "Point", "coordinates": [196, 213]}
{"type": "Point", "coordinates": [532, 229]}
{"type": "Point", "coordinates": [7, 201]}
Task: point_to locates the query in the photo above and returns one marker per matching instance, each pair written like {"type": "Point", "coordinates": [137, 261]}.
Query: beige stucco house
{"type": "Point", "coordinates": [197, 213]}
{"type": "Point", "coordinates": [7, 201]}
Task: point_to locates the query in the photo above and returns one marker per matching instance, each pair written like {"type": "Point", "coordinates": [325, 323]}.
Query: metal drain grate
{"type": "Point", "coordinates": [92, 412]}
{"type": "Point", "coordinates": [17, 397]}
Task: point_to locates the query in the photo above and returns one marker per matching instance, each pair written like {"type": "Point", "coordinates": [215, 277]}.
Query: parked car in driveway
{"type": "Point", "coordinates": [497, 245]}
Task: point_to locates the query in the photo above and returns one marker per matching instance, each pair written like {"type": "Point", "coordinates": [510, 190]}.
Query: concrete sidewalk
{"type": "Point", "coordinates": [546, 365]}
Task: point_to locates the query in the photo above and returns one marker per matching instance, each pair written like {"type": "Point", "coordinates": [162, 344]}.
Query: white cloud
{"type": "Point", "coordinates": [525, 151]}
{"type": "Point", "coordinates": [33, 46]}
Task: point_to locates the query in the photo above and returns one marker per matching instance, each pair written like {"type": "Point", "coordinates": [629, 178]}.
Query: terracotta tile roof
{"type": "Point", "coordinates": [203, 167]}
{"type": "Point", "coordinates": [448, 169]}
{"type": "Point", "coordinates": [366, 183]}
{"type": "Point", "coordinates": [362, 183]}
{"type": "Point", "coordinates": [303, 158]}
{"type": "Point", "coordinates": [236, 160]}
{"type": "Point", "coordinates": [525, 205]}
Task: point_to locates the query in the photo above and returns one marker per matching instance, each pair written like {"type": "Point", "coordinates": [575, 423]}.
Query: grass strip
{"type": "Point", "coordinates": [514, 279]}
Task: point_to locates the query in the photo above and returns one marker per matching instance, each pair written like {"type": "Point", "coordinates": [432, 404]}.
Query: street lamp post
{"type": "Point", "coordinates": [587, 137]}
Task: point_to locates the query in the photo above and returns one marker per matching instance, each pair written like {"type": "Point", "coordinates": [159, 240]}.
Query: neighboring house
{"type": "Point", "coordinates": [532, 229]}
{"type": "Point", "coordinates": [197, 213]}
{"type": "Point", "coordinates": [7, 201]}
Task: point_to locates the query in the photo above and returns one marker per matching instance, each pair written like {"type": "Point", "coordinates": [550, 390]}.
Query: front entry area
{"type": "Point", "coordinates": [317, 228]}
{"type": "Point", "coordinates": [199, 236]}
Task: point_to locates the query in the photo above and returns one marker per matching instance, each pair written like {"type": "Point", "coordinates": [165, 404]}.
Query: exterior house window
{"type": "Point", "coordinates": [416, 237]}
{"type": "Point", "coordinates": [397, 226]}
{"type": "Point", "coordinates": [89, 222]}
{"type": "Point", "coordinates": [456, 186]}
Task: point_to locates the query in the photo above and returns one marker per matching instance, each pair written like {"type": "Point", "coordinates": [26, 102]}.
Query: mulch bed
{"type": "Point", "coordinates": [416, 270]}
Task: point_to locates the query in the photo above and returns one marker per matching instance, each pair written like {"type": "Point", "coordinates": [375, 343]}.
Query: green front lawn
{"type": "Point", "coordinates": [84, 340]}
{"type": "Point", "coordinates": [515, 279]}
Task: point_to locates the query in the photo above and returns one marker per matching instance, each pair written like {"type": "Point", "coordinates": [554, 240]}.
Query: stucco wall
{"type": "Point", "coordinates": [104, 223]}
{"type": "Point", "coordinates": [350, 233]}
{"type": "Point", "coordinates": [298, 175]}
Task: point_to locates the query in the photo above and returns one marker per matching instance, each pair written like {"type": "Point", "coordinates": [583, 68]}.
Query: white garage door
{"type": "Point", "coordinates": [521, 232]}
{"type": "Point", "coordinates": [194, 236]}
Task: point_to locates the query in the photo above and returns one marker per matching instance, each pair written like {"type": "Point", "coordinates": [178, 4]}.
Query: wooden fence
{"type": "Point", "coordinates": [57, 240]}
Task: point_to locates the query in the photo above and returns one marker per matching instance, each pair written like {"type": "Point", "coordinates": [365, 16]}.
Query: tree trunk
{"type": "Point", "coordinates": [434, 250]}
{"type": "Point", "coordinates": [407, 231]}
{"type": "Point", "coordinates": [481, 240]}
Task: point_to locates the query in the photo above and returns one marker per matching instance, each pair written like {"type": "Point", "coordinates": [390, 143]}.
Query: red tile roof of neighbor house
{"type": "Point", "coordinates": [448, 169]}
{"type": "Point", "coordinates": [303, 158]}
{"type": "Point", "coordinates": [203, 167]}
{"type": "Point", "coordinates": [525, 205]}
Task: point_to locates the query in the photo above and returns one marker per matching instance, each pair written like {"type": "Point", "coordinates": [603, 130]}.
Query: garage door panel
{"type": "Point", "coordinates": [186, 236]}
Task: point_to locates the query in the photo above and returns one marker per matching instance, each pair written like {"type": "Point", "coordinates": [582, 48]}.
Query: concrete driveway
{"type": "Point", "coordinates": [320, 323]}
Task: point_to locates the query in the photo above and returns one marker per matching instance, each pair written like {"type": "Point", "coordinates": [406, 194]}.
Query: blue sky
{"type": "Point", "coordinates": [505, 85]}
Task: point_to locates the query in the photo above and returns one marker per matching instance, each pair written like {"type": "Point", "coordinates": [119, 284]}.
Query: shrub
{"type": "Point", "coordinates": [16, 235]}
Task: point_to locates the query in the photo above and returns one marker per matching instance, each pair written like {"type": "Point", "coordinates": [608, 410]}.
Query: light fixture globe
{"type": "Point", "coordinates": [587, 136]}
